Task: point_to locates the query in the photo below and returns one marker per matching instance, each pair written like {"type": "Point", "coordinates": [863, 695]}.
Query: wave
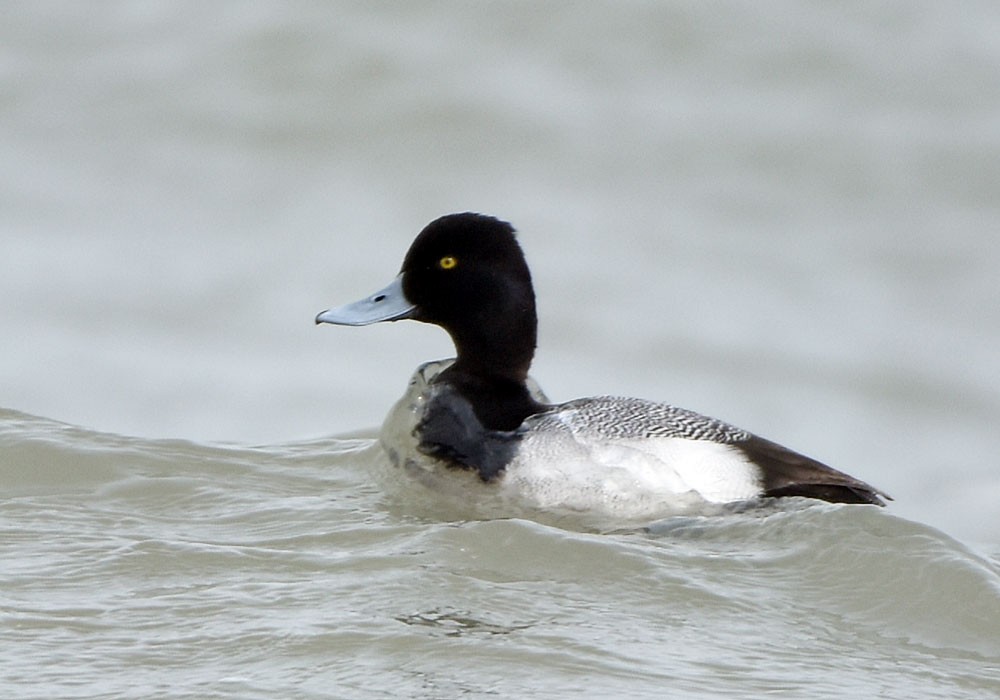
{"type": "Point", "coordinates": [856, 569]}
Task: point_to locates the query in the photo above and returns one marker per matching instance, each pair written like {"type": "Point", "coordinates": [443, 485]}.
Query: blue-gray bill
{"type": "Point", "coordinates": [389, 304]}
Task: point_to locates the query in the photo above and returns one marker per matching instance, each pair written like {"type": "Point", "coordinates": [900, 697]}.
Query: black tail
{"type": "Point", "coordinates": [788, 473]}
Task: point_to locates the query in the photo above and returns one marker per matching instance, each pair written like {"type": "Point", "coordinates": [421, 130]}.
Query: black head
{"type": "Point", "coordinates": [467, 274]}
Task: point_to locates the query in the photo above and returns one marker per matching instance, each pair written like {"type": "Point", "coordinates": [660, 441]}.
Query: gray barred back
{"type": "Point", "coordinates": [630, 418]}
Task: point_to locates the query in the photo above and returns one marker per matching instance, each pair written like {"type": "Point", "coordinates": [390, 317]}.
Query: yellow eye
{"type": "Point", "coordinates": [447, 262]}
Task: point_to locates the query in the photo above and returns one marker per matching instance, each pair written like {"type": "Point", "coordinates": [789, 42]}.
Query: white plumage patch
{"type": "Point", "coordinates": [629, 477]}
{"type": "Point", "coordinates": [717, 473]}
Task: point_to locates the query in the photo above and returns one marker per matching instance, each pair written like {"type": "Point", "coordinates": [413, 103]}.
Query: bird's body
{"type": "Point", "coordinates": [481, 414]}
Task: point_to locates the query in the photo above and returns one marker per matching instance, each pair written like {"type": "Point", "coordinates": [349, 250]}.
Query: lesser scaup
{"type": "Point", "coordinates": [481, 412]}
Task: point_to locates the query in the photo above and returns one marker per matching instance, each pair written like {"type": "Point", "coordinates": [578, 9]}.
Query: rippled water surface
{"type": "Point", "coordinates": [781, 214]}
{"type": "Point", "coordinates": [156, 568]}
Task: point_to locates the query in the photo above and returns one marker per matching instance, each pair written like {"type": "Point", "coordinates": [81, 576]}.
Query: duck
{"type": "Point", "coordinates": [479, 419]}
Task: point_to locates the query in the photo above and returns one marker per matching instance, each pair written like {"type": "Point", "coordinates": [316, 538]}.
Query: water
{"type": "Point", "coordinates": [781, 215]}
{"type": "Point", "coordinates": [162, 568]}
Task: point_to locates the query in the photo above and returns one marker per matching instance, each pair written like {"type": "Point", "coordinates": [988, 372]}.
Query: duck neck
{"type": "Point", "coordinates": [499, 344]}
{"type": "Point", "coordinates": [499, 403]}
{"type": "Point", "coordinates": [491, 369]}
{"type": "Point", "coordinates": [501, 364]}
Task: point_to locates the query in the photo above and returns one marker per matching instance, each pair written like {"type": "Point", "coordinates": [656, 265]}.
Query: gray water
{"type": "Point", "coordinates": [781, 214]}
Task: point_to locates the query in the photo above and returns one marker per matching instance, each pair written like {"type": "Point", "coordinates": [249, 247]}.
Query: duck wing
{"type": "Point", "coordinates": [781, 472]}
